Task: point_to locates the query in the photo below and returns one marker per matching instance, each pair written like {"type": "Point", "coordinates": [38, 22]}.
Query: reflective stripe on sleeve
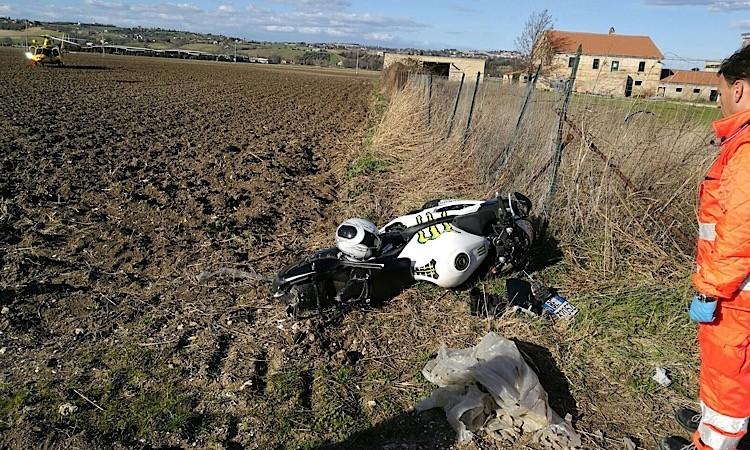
{"type": "Point", "coordinates": [707, 231]}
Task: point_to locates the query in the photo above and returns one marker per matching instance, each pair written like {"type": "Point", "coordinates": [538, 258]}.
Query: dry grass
{"type": "Point", "coordinates": [622, 217]}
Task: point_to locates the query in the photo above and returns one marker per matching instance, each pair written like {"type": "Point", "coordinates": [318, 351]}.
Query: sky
{"type": "Point", "coordinates": [686, 31]}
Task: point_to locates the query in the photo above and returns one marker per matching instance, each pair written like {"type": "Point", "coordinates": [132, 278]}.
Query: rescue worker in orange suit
{"type": "Point", "coordinates": [721, 305]}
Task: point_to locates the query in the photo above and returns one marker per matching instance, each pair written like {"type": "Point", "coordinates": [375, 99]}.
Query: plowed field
{"type": "Point", "coordinates": [122, 180]}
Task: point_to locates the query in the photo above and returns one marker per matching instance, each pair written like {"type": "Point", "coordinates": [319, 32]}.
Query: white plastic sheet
{"type": "Point", "coordinates": [490, 387]}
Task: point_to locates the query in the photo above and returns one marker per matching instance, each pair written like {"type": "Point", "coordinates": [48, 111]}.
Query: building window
{"type": "Point", "coordinates": [678, 89]}
{"type": "Point", "coordinates": [571, 62]}
{"type": "Point", "coordinates": [596, 63]}
{"type": "Point", "coordinates": [638, 82]}
{"type": "Point", "coordinates": [642, 66]}
{"type": "Point", "coordinates": [696, 91]}
{"type": "Point", "coordinates": [615, 66]}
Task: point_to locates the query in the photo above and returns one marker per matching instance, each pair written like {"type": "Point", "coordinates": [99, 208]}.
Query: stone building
{"type": "Point", "coordinates": [691, 85]}
{"type": "Point", "coordinates": [440, 65]}
{"type": "Point", "coordinates": [611, 64]}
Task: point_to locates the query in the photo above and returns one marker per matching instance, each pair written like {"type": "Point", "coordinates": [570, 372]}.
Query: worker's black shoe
{"type": "Point", "coordinates": [688, 419]}
{"type": "Point", "coordinates": [676, 443]}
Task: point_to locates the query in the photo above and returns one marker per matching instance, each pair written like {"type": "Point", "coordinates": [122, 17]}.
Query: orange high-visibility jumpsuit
{"type": "Point", "coordinates": [723, 267]}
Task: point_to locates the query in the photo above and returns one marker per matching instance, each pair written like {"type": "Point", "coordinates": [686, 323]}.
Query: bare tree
{"type": "Point", "coordinates": [532, 43]}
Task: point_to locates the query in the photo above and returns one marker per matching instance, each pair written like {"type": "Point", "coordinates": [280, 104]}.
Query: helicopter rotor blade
{"type": "Point", "coordinates": [68, 41]}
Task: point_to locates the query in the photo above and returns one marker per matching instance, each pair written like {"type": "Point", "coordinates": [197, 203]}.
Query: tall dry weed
{"type": "Point", "coordinates": [624, 199]}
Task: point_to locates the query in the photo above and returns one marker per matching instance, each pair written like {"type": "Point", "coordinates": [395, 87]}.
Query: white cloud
{"type": "Point", "coordinates": [379, 36]}
{"type": "Point", "coordinates": [713, 5]}
{"type": "Point", "coordinates": [323, 18]}
{"type": "Point", "coordinates": [5, 8]}
{"type": "Point", "coordinates": [279, 28]}
{"type": "Point", "coordinates": [316, 5]}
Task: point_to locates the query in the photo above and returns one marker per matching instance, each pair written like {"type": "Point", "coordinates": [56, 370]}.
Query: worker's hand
{"type": "Point", "coordinates": [703, 309]}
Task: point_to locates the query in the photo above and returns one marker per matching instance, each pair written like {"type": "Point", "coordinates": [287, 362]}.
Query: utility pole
{"type": "Point", "coordinates": [235, 51]}
{"type": "Point", "coordinates": [27, 33]}
{"type": "Point", "coordinates": [356, 70]}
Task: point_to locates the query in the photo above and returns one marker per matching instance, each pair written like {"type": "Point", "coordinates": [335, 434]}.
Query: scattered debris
{"type": "Point", "coordinates": [5, 310]}
{"type": "Point", "coordinates": [3, 350]}
{"type": "Point", "coordinates": [560, 308]}
{"type": "Point", "coordinates": [629, 444]}
{"type": "Point", "coordinates": [67, 409]}
{"type": "Point", "coordinates": [661, 377]}
{"type": "Point", "coordinates": [489, 388]}
{"type": "Point", "coordinates": [88, 400]}
{"type": "Point", "coordinates": [522, 296]}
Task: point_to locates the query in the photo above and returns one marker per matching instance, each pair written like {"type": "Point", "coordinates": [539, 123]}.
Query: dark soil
{"type": "Point", "coordinates": [121, 180]}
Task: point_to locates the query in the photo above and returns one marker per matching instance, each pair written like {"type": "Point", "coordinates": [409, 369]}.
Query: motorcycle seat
{"type": "Point", "coordinates": [478, 223]}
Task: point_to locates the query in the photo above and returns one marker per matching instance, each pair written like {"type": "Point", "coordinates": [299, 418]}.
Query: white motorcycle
{"type": "Point", "coordinates": [446, 242]}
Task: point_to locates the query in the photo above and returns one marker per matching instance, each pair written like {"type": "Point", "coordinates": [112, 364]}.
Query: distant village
{"type": "Point", "coordinates": [610, 64]}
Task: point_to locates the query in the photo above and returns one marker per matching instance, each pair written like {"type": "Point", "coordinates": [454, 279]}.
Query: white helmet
{"type": "Point", "coordinates": [357, 238]}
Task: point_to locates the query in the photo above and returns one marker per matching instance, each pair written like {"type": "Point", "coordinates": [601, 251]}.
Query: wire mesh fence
{"type": "Point", "coordinates": [630, 165]}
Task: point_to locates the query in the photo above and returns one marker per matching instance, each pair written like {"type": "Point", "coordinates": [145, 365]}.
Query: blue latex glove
{"type": "Point", "coordinates": [702, 311]}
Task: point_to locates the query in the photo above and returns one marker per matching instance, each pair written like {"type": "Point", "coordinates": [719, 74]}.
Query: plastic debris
{"type": "Point", "coordinates": [560, 308]}
{"type": "Point", "coordinates": [67, 409]}
{"type": "Point", "coordinates": [489, 388]}
{"type": "Point", "coordinates": [661, 377]}
{"type": "Point", "coordinates": [629, 444]}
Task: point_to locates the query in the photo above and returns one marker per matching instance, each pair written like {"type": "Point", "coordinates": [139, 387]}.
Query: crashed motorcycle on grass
{"type": "Point", "coordinates": [449, 243]}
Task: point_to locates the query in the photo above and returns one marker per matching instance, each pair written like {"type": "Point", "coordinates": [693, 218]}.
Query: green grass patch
{"type": "Point", "coordinates": [11, 402]}
{"type": "Point", "coordinates": [367, 165]}
{"type": "Point", "coordinates": [336, 408]}
{"type": "Point", "coordinates": [286, 385]}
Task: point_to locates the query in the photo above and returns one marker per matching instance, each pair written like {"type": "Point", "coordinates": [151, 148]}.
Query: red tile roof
{"type": "Point", "coordinates": [599, 44]}
{"type": "Point", "coordinates": [693, 77]}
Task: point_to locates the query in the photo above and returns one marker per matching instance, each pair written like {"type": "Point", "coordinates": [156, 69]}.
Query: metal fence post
{"type": "Point", "coordinates": [455, 105]}
{"type": "Point", "coordinates": [429, 100]}
{"type": "Point", "coordinates": [471, 109]}
{"type": "Point", "coordinates": [505, 154]}
{"type": "Point", "coordinates": [559, 143]}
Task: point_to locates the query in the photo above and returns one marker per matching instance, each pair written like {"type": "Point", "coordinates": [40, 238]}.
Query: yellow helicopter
{"type": "Point", "coordinates": [48, 52]}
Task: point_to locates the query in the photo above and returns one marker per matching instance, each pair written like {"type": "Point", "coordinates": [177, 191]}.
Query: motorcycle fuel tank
{"type": "Point", "coordinates": [445, 255]}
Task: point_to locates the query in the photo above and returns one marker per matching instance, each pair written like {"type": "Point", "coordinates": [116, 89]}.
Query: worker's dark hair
{"type": "Point", "coordinates": [737, 66]}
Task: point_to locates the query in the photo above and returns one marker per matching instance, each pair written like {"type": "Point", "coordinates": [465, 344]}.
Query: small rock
{"type": "Point", "coordinates": [3, 350]}
{"type": "Point", "coordinates": [372, 403]}
{"type": "Point", "coordinates": [629, 444]}
{"type": "Point", "coordinates": [229, 323]}
{"type": "Point", "coordinates": [79, 331]}
{"type": "Point", "coordinates": [5, 310]}
{"type": "Point", "coordinates": [67, 409]}
{"type": "Point", "coordinates": [180, 327]}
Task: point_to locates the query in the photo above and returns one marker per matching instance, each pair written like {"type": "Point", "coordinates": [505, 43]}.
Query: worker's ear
{"type": "Point", "coordinates": [739, 89]}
